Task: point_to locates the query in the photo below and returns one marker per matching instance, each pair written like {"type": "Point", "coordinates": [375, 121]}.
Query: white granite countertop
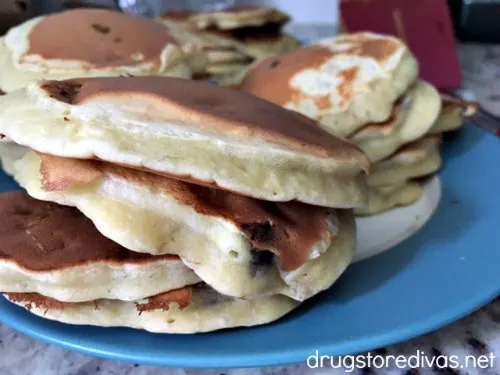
{"type": "Point", "coordinates": [477, 334]}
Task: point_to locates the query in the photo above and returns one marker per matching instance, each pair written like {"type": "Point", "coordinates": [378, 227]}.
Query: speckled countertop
{"type": "Point", "coordinates": [475, 335]}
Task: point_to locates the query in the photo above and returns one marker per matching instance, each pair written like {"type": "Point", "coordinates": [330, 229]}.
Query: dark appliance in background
{"type": "Point", "coordinates": [476, 20]}
{"type": "Point", "coordinates": [73, 4]}
{"type": "Point", "coordinates": [13, 12]}
{"type": "Point", "coordinates": [51, 6]}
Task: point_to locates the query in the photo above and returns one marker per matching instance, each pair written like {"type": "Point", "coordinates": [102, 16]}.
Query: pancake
{"type": "Point", "coordinates": [179, 21]}
{"type": "Point", "coordinates": [226, 68]}
{"type": "Point", "coordinates": [412, 117]}
{"type": "Point", "coordinates": [55, 250]}
{"type": "Point", "coordinates": [257, 41]}
{"type": "Point", "coordinates": [189, 130]}
{"type": "Point", "coordinates": [188, 310]}
{"type": "Point", "coordinates": [453, 115]}
{"type": "Point", "coordinates": [240, 246]}
{"type": "Point", "coordinates": [344, 82]}
{"type": "Point", "coordinates": [260, 41]}
{"type": "Point", "coordinates": [238, 17]}
{"type": "Point", "coordinates": [229, 80]}
{"type": "Point", "coordinates": [88, 43]}
{"type": "Point", "coordinates": [262, 47]}
{"type": "Point", "coordinates": [416, 159]}
{"type": "Point", "coordinates": [216, 48]}
{"type": "Point", "coordinates": [230, 52]}
{"type": "Point", "coordinates": [242, 44]}
{"type": "Point", "coordinates": [225, 56]}
{"type": "Point", "coordinates": [384, 198]}
{"type": "Point", "coordinates": [220, 54]}
{"type": "Point", "coordinates": [9, 153]}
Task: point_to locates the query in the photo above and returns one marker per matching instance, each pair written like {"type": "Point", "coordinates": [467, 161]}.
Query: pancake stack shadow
{"type": "Point", "coordinates": [365, 87]}
{"type": "Point", "coordinates": [154, 202]}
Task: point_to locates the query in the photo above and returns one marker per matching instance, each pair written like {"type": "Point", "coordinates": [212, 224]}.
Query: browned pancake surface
{"type": "Point", "coordinates": [267, 14]}
{"type": "Point", "coordinates": [386, 127]}
{"type": "Point", "coordinates": [462, 107]}
{"type": "Point", "coordinates": [266, 33]}
{"type": "Point", "coordinates": [288, 229]}
{"type": "Point", "coordinates": [43, 236]}
{"type": "Point", "coordinates": [270, 79]}
{"type": "Point", "coordinates": [162, 301]}
{"type": "Point", "coordinates": [215, 109]}
{"type": "Point", "coordinates": [99, 38]}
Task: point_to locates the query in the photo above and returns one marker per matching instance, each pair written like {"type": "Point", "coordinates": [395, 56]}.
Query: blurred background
{"type": "Point", "coordinates": [431, 28]}
{"type": "Point", "coordinates": [323, 11]}
{"type": "Point", "coordinates": [473, 20]}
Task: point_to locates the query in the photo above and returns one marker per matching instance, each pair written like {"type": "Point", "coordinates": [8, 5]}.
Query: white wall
{"type": "Point", "coordinates": [305, 11]}
{"type": "Point", "coordinates": [302, 11]}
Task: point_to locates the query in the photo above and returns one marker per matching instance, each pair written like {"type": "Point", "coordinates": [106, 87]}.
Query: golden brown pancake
{"type": "Point", "coordinates": [284, 67]}
{"type": "Point", "coordinates": [281, 68]}
{"type": "Point", "coordinates": [381, 129]}
{"type": "Point", "coordinates": [453, 114]}
{"type": "Point", "coordinates": [55, 250]}
{"type": "Point", "coordinates": [343, 82]}
{"type": "Point", "coordinates": [269, 30]}
{"type": "Point", "coordinates": [188, 310]}
{"type": "Point", "coordinates": [240, 246]}
{"type": "Point", "coordinates": [413, 160]}
{"type": "Point", "coordinates": [288, 230]}
{"type": "Point", "coordinates": [92, 43]}
{"type": "Point", "coordinates": [213, 108]}
{"type": "Point", "coordinates": [111, 38]}
{"type": "Point", "coordinates": [468, 107]}
{"type": "Point", "coordinates": [249, 39]}
{"type": "Point", "coordinates": [181, 297]}
{"type": "Point", "coordinates": [193, 131]}
{"type": "Point", "coordinates": [231, 50]}
{"type": "Point", "coordinates": [238, 17]}
{"type": "Point", "coordinates": [43, 236]}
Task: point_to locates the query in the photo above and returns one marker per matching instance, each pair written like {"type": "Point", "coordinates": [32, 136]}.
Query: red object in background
{"type": "Point", "coordinates": [425, 25]}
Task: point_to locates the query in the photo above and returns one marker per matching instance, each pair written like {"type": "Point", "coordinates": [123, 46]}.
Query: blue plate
{"type": "Point", "coordinates": [445, 271]}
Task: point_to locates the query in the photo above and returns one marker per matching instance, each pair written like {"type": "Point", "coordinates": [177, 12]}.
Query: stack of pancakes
{"type": "Point", "coordinates": [89, 43]}
{"type": "Point", "coordinates": [365, 87]}
{"type": "Point", "coordinates": [171, 205]}
{"type": "Point", "coordinates": [233, 38]}
{"type": "Point", "coordinates": [92, 43]}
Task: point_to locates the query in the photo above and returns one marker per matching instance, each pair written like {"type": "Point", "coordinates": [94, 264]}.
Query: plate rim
{"type": "Point", "coordinates": [432, 186]}
{"type": "Point", "coordinates": [278, 358]}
